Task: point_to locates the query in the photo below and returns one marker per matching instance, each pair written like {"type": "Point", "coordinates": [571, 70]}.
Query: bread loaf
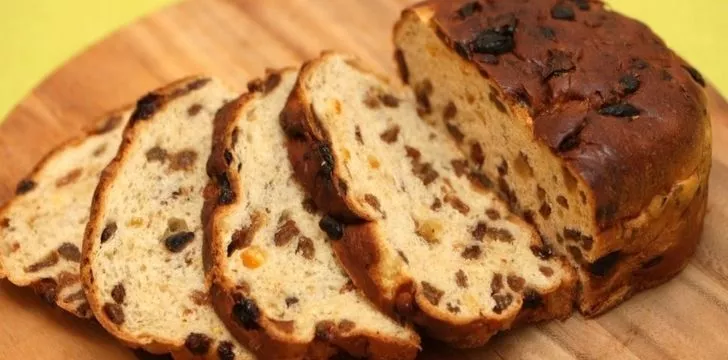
{"type": "Point", "coordinates": [584, 120]}
{"type": "Point", "coordinates": [41, 229]}
{"type": "Point", "coordinates": [278, 285]}
{"type": "Point", "coordinates": [416, 230]}
{"type": "Point", "coordinates": [142, 256]}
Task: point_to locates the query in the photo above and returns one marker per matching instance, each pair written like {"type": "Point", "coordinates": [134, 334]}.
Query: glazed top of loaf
{"type": "Point", "coordinates": [605, 93]}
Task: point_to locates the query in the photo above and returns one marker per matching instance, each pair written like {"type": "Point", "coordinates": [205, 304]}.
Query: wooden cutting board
{"type": "Point", "coordinates": [236, 40]}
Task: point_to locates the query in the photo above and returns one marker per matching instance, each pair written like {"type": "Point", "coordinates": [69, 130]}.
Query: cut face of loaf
{"type": "Point", "coordinates": [142, 257]}
{"type": "Point", "coordinates": [432, 243]}
{"type": "Point", "coordinates": [604, 145]}
{"type": "Point", "coordinates": [41, 229]}
{"type": "Point", "coordinates": [278, 284]}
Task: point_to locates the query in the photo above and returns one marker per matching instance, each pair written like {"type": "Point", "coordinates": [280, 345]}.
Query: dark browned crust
{"type": "Point", "coordinates": [163, 97]}
{"type": "Point", "coordinates": [567, 83]}
{"type": "Point", "coordinates": [359, 253]}
{"type": "Point", "coordinates": [264, 337]}
{"type": "Point", "coordinates": [101, 126]}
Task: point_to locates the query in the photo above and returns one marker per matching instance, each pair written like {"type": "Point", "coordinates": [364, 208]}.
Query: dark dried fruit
{"type": "Point", "coordinates": [479, 232]}
{"type": "Point", "coordinates": [423, 91]}
{"type": "Point", "coordinates": [562, 201]}
{"type": "Point", "coordinates": [346, 326]}
{"type": "Point", "coordinates": [286, 232]}
{"type": "Point", "coordinates": [246, 313]}
{"type": "Point", "coordinates": [226, 351]}
{"type": "Point", "coordinates": [70, 252]}
{"type": "Point", "coordinates": [108, 232]}
{"type": "Point", "coordinates": [198, 344]}
{"type": "Point", "coordinates": [114, 313]}
{"type": "Point", "coordinates": [496, 284]}
{"type": "Point", "coordinates": [558, 63]}
{"type": "Point", "coordinates": [401, 66]}
{"type": "Point", "coordinates": [431, 293]}
{"type": "Point", "coordinates": [118, 293]}
{"type": "Point", "coordinates": [546, 271]}
{"type": "Point", "coordinates": [582, 4]}
{"type": "Point", "coordinates": [531, 299]}
{"type": "Point", "coordinates": [629, 83]}
{"type": "Point", "coordinates": [390, 136]}
{"type": "Point", "coordinates": [425, 172]}
{"type": "Point", "coordinates": [228, 156]}
{"type": "Point", "coordinates": [48, 261]}
{"type": "Point", "coordinates": [695, 74]}
{"type": "Point", "coordinates": [461, 279]}
{"type": "Point", "coordinates": [457, 204]}
{"type": "Point", "coordinates": [333, 228]}
{"type": "Point", "coordinates": [455, 132]}
{"type": "Point", "coordinates": [516, 283]}
{"type": "Point", "coordinates": [472, 252]}
{"type": "Point", "coordinates": [226, 195]}
{"type": "Point", "coordinates": [146, 107]}
{"type": "Point", "coordinates": [547, 32]}
{"type": "Point", "coordinates": [492, 214]}
{"type": "Point", "coordinates": [325, 330]}
{"type": "Point", "coordinates": [156, 154]}
{"type": "Point", "coordinates": [545, 211]}
{"type": "Point", "coordinates": [309, 205]}
{"type": "Point", "coordinates": [177, 242]}
{"type": "Point", "coordinates": [200, 298]}
{"type": "Point", "coordinates": [453, 308]}
{"type": "Point", "coordinates": [69, 178]}
{"type": "Point", "coordinates": [577, 236]}
{"type": "Point", "coordinates": [480, 180]}
{"type": "Point", "coordinates": [25, 186]}
{"type": "Point", "coordinates": [502, 235]}
{"type": "Point", "coordinates": [603, 265]}
{"type": "Point", "coordinates": [77, 296]}
{"type": "Point", "coordinates": [450, 111]}
{"type": "Point", "coordinates": [194, 109]}
{"type": "Point", "coordinates": [305, 248]}
{"type": "Point", "coordinates": [389, 100]}
{"type": "Point", "coordinates": [327, 161]}
{"type": "Point", "coordinates": [460, 167]}
{"type": "Point", "coordinates": [619, 110]}
{"type": "Point", "coordinates": [47, 289]}
{"type": "Point", "coordinates": [373, 201]}
{"type": "Point", "coordinates": [542, 252]}
{"type": "Point", "coordinates": [469, 9]}
{"type": "Point", "coordinates": [4, 223]}
{"type": "Point", "coordinates": [572, 139]}
{"type": "Point", "coordinates": [562, 11]}
{"type": "Point", "coordinates": [502, 302]}
{"type": "Point", "coordinates": [493, 42]}
{"type": "Point", "coordinates": [529, 217]}
{"type": "Point", "coordinates": [357, 134]}
{"type": "Point", "coordinates": [291, 300]}
{"type": "Point", "coordinates": [476, 154]}
{"type": "Point", "coordinates": [183, 160]}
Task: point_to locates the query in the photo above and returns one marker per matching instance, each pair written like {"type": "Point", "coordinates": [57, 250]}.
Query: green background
{"type": "Point", "coordinates": [37, 36]}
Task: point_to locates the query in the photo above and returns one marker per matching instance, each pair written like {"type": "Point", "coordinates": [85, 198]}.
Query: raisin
{"type": "Point", "coordinates": [492, 214]}
{"type": "Point", "coordinates": [460, 167]}
{"type": "Point", "coordinates": [47, 289]}
{"type": "Point", "coordinates": [373, 201]}
{"type": "Point", "coordinates": [516, 283]}
{"type": "Point", "coordinates": [327, 160]}
{"type": "Point", "coordinates": [226, 195]}
{"type": "Point", "coordinates": [547, 32]}
{"type": "Point", "coordinates": [225, 351]}
{"type": "Point", "coordinates": [108, 232]}
{"type": "Point", "coordinates": [603, 265]}
{"type": "Point", "coordinates": [476, 153]}
{"type": "Point", "coordinates": [582, 4]}
{"type": "Point", "coordinates": [531, 299]}
{"type": "Point", "coordinates": [333, 228]}
{"type": "Point", "coordinates": [118, 293]}
{"type": "Point", "coordinates": [423, 91]}
{"type": "Point", "coordinates": [389, 100]}
{"type": "Point", "coordinates": [469, 9]}
{"type": "Point", "coordinates": [4, 223]}
{"type": "Point", "coordinates": [70, 252]}
{"type": "Point", "coordinates": [453, 308]}
{"type": "Point", "coordinates": [431, 293]}
{"type": "Point", "coordinates": [502, 302]}
{"type": "Point", "coordinates": [346, 326]}
{"type": "Point", "coordinates": [324, 330]}
{"type": "Point", "coordinates": [472, 252]}
{"type": "Point", "coordinates": [695, 74]}
{"type": "Point", "coordinates": [194, 109]}
{"type": "Point", "coordinates": [285, 233]}
{"type": "Point", "coordinates": [309, 205]}
{"type": "Point", "coordinates": [246, 313]}
{"type": "Point", "coordinates": [497, 103]}
{"type": "Point", "coordinates": [545, 211]}
{"type": "Point", "coordinates": [546, 271]}
{"type": "Point", "coordinates": [357, 134]}
{"type": "Point", "coordinates": [25, 186]}
{"type": "Point", "coordinates": [620, 110]}
{"type": "Point", "coordinates": [228, 157]}
{"type": "Point", "coordinates": [177, 242]}
{"type": "Point", "coordinates": [493, 42]}
{"type": "Point", "coordinates": [450, 111]}
{"type": "Point", "coordinates": [198, 344]}
{"type": "Point", "coordinates": [390, 136]}
{"type": "Point", "coordinates": [114, 313]}
{"type": "Point", "coordinates": [401, 66]}
{"type": "Point", "coordinates": [291, 300]}
{"type": "Point", "coordinates": [529, 217]}
{"type": "Point", "coordinates": [562, 201]}
{"type": "Point", "coordinates": [480, 180]}
{"type": "Point", "coordinates": [455, 132]}
{"type": "Point", "coordinates": [461, 279]}
{"type": "Point", "coordinates": [562, 11]}
{"type": "Point", "coordinates": [77, 296]}
{"type": "Point", "coordinates": [496, 283]}
{"type": "Point", "coordinates": [305, 248]}
{"type": "Point", "coordinates": [146, 107]}
{"type": "Point", "coordinates": [69, 178]}
{"type": "Point", "coordinates": [183, 160]}
{"type": "Point", "coordinates": [425, 172]}
{"type": "Point", "coordinates": [271, 82]}
{"type": "Point", "coordinates": [629, 83]}
{"type": "Point", "coordinates": [502, 235]}
{"type": "Point", "coordinates": [558, 63]}
{"type": "Point", "coordinates": [200, 298]}
{"type": "Point", "coordinates": [457, 204]}
{"type": "Point", "coordinates": [652, 262]}
{"type": "Point", "coordinates": [48, 261]}
{"type": "Point", "coordinates": [542, 252]}
{"type": "Point", "coordinates": [503, 168]}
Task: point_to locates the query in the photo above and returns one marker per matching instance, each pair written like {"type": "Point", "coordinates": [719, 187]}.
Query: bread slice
{"type": "Point", "coordinates": [435, 245]}
{"type": "Point", "coordinates": [603, 144]}
{"type": "Point", "coordinates": [41, 229]}
{"type": "Point", "coordinates": [278, 284]}
{"type": "Point", "coordinates": [142, 257]}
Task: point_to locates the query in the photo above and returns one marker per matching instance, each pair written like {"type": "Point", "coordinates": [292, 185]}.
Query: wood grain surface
{"type": "Point", "coordinates": [236, 40]}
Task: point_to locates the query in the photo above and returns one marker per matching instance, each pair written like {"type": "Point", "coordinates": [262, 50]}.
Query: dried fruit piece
{"type": "Point", "coordinates": [48, 261]}
{"type": "Point", "coordinates": [179, 241]}
{"type": "Point", "coordinates": [603, 265]}
{"type": "Point", "coordinates": [25, 186]}
{"type": "Point", "coordinates": [333, 228]}
{"type": "Point", "coordinates": [629, 83]}
{"type": "Point", "coordinates": [472, 252]}
{"type": "Point", "coordinates": [246, 313]}
{"type": "Point", "coordinates": [619, 110]}
{"type": "Point", "coordinates": [429, 230]}
{"type": "Point", "coordinates": [306, 248]}
{"type": "Point", "coordinates": [286, 232]}
{"type": "Point", "coordinates": [493, 42]}
{"type": "Point", "coordinates": [114, 313]}
{"type": "Point", "coordinates": [226, 351]}
{"type": "Point", "coordinates": [69, 178]}
{"type": "Point", "coordinates": [390, 136]}
{"type": "Point", "coordinates": [695, 74]}
{"type": "Point", "coordinates": [70, 252]}
{"type": "Point", "coordinates": [118, 293]}
{"type": "Point", "coordinates": [469, 9]}
{"type": "Point", "coordinates": [431, 293]}
{"type": "Point", "coordinates": [252, 257]}
{"type": "Point", "coordinates": [562, 11]}
{"type": "Point", "coordinates": [198, 344]}
{"type": "Point", "coordinates": [108, 232]}
{"type": "Point", "coordinates": [502, 302]}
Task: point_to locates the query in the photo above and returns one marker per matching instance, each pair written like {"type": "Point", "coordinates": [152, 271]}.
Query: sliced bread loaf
{"type": "Point", "coordinates": [278, 284]}
{"type": "Point", "coordinates": [435, 245]}
{"type": "Point", "coordinates": [41, 229]}
{"type": "Point", "coordinates": [142, 257]}
{"type": "Point", "coordinates": [592, 128]}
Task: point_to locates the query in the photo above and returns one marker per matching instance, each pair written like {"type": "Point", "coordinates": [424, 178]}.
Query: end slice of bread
{"type": "Point", "coordinates": [278, 285]}
{"type": "Point", "coordinates": [41, 228]}
{"type": "Point", "coordinates": [142, 257]}
{"type": "Point", "coordinates": [432, 243]}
